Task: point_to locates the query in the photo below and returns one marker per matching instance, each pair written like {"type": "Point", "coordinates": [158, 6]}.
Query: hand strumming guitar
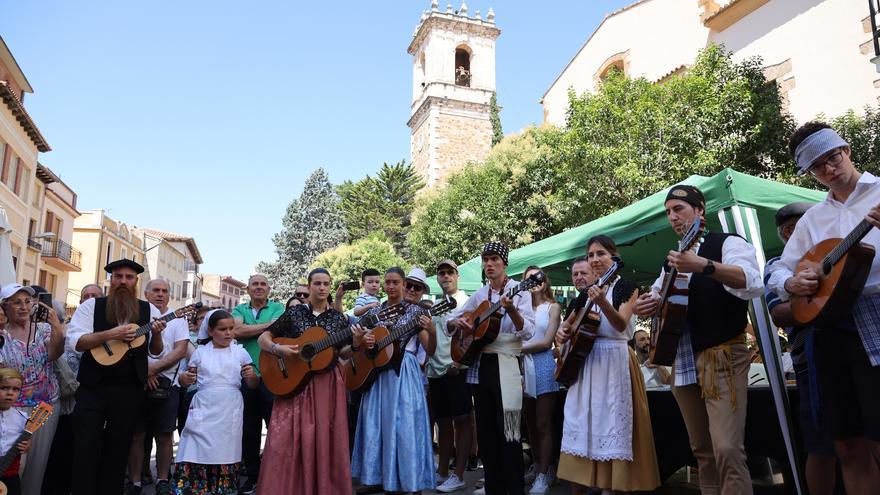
{"type": "Point", "coordinates": [646, 305]}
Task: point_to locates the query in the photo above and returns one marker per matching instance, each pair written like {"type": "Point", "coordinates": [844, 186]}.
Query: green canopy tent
{"type": "Point", "coordinates": [736, 202]}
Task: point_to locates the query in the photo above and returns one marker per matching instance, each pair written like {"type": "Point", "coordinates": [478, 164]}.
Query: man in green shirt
{"type": "Point", "coordinates": [251, 320]}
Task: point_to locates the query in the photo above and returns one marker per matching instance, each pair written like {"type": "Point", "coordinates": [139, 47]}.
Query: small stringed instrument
{"type": "Point", "coordinates": [364, 365]}
{"type": "Point", "coordinates": [669, 320]}
{"type": "Point", "coordinates": [39, 416]}
{"type": "Point", "coordinates": [317, 352]}
{"type": "Point", "coordinates": [114, 351]}
{"type": "Point", "coordinates": [843, 266]}
{"type": "Point", "coordinates": [574, 353]}
{"type": "Point", "coordinates": [486, 324]}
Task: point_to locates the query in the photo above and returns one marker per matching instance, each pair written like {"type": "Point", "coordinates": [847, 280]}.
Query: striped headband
{"type": "Point", "coordinates": [816, 145]}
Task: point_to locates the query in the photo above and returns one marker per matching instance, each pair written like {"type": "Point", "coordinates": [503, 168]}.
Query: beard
{"type": "Point", "coordinates": [122, 305]}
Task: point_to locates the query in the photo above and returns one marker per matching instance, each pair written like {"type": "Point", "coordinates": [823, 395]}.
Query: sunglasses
{"type": "Point", "coordinates": [414, 287]}
{"type": "Point", "coordinates": [299, 295]}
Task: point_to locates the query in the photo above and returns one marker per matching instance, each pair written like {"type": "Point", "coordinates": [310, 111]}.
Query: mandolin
{"type": "Point", "coordinates": [843, 266]}
{"type": "Point", "coordinates": [574, 353]}
{"type": "Point", "coordinates": [39, 416]}
{"type": "Point", "coordinates": [114, 351]}
{"type": "Point", "coordinates": [486, 324]}
{"type": "Point", "coordinates": [669, 319]}
{"type": "Point", "coordinates": [287, 376]}
{"type": "Point", "coordinates": [362, 368]}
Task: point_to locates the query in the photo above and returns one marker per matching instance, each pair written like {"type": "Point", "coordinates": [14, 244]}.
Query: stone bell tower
{"type": "Point", "coordinates": [453, 80]}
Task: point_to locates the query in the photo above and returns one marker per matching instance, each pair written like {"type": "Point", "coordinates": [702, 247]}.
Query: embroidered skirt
{"type": "Point", "coordinates": [191, 478]}
{"type": "Point", "coordinates": [392, 445]}
{"type": "Point", "coordinates": [640, 473]}
{"type": "Point", "coordinates": [306, 448]}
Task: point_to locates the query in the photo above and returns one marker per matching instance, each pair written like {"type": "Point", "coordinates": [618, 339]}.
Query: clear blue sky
{"type": "Point", "coordinates": [204, 117]}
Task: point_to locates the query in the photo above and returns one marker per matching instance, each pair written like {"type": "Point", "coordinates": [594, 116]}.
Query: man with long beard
{"type": "Point", "coordinates": [110, 398]}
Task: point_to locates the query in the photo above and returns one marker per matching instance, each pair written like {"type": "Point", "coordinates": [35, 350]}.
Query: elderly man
{"type": "Point", "coordinates": [251, 320]}
{"type": "Point", "coordinates": [160, 417]}
{"type": "Point", "coordinates": [110, 398]}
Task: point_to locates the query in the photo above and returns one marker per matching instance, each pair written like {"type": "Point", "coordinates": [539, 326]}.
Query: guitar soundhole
{"type": "Point", "coordinates": [307, 352]}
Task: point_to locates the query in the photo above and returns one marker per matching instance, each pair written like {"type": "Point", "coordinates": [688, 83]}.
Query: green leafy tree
{"type": "Point", "coordinates": [311, 225]}
{"type": "Point", "coordinates": [382, 205]}
{"type": "Point", "coordinates": [862, 132]}
{"type": "Point", "coordinates": [348, 261]}
{"type": "Point", "coordinates": [495, 119]}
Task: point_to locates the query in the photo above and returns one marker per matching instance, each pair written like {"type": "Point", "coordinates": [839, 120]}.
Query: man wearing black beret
{"type": "Point", "coordinates": [109, 398]}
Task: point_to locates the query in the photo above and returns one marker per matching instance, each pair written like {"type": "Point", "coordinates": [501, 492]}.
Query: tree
{"type": "Point", "coordinates": [311, 225]}
{"type": "Point", "coordinates": [620, 144]}
{"type": "Point", "coordinates": [347, 261]}
{"type": "Point", "coordinates": [495, 119]}
{"type": "Point", "coordinates": [381, 205]}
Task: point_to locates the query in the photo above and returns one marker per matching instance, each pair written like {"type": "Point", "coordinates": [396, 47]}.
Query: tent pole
{"type": "Point", "coordinates": [745, 223]}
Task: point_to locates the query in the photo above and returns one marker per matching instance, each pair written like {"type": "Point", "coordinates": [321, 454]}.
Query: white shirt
{"type": "Point", "coordinates": [12, 423]}
{"type": "Point", "coordinates": [522, 302]}
{"type": "Point", "coordinates": [83, 320]}
{"type": "Point", "coordinates": [174, 332]}
{"type": "Point", "coordinates": [828, 219]}
{"type": "Point", "coordinates": [737, 252]}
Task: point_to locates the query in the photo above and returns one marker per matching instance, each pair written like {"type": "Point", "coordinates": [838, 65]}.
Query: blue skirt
{"type": "Point", "coordinates": [392, 445]}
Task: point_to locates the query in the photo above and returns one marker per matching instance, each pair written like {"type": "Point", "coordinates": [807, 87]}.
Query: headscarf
{"type": "Point", "coordinates": [203, 327]}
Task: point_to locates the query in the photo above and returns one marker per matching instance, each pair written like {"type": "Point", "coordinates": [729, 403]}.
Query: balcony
{"type": "Point", "coordinates": [61, 255]}
{"type": "Point", "coordinates": [873, 10]}
{"type": "Point", "coordinates": [190, 266]}
{"type": "Point", "coordinates": [33, 244]}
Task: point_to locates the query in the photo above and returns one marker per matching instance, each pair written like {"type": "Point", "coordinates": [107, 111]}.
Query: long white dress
{"type": "Point", "coordinates": [212, 434]}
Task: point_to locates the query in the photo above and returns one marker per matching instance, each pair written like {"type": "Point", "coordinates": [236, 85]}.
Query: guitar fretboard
{"type": "Point", "coordinates": [848, 242]}
{"type": "Point", "coordinates": [9, 457]}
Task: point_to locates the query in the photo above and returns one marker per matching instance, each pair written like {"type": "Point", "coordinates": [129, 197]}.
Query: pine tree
{"type": "Point", "coordinates": [312, 224]}
{"type": "Point", "coordinates": [382, 205]}
{"type": "Point", "coordinates": [495, 119]}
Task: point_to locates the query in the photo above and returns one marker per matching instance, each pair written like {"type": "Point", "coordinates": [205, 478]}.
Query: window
{"type": "Point", "coordinates": [109, 256]}
{"type": "Point", "coordinates": [32, 228]}
{"type": "Point", "coordinates": [185, 291]}
{"type": "Point", "coordinates": [124, 252]}
{"type": "Point", "coordinates": [44, 279]}
{"type": "Point", "coordinates": [24, 179]}
{"type": "Point", "coordinates": [462, 66]}
{"type": "Point", "coordinates": [3, 163]}
{"type": "Point", "coordinates": [12, 177]}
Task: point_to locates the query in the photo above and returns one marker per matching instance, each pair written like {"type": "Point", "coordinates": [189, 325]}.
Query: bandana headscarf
{"type": "Point", "coordinates": [497, 248]}
{"type": "Point", "coordinates": [203, 328]}
{"type": "Point", "coordinates": [689, 194]}
{"type": "Point", "coordinates": [816, 145]}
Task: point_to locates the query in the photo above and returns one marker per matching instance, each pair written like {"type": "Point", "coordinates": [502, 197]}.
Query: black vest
{"type": "Point", "coordinates": [714, 315]}
{"type": "Point", "coordinates": [132, 370]}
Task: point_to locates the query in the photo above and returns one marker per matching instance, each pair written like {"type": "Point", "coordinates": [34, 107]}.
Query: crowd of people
{"type": "Point", "coordinates": [200, 376]}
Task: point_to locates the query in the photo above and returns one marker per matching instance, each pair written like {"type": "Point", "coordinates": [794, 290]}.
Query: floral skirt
{"type": "Point", "coordinates": [203, 479]}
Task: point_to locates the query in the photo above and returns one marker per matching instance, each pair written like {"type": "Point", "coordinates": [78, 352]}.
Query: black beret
{"type": "Point", "coordinates": [792, 210]}
{"type": "Point", "coordinates": [688, 194]}
{"type": "Point", "coordinates": [124, 263]}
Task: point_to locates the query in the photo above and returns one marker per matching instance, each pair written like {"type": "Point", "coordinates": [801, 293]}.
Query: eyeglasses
{"type": "Point", "coordinates": [443, 273]}
{"type": "Point", "coordinates": [414, 287]}
{"type": "Point", "coordinates": [301, 295]}
{"type": "Point", "coordinates": [834, 159]}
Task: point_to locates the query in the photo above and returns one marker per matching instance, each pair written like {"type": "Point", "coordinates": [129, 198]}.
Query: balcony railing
{"type": "Point", "coordinates": [35, 245]}
{"type": "Point", "coordinates": [873, 9]}
{"type": "Point", "coordinates": [55, 248]}
{"type": "Point", "coordinates": [190, 266]}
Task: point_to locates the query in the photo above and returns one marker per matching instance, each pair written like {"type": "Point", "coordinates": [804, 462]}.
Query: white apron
{"type": "Point", "coordinates": [212, 434]}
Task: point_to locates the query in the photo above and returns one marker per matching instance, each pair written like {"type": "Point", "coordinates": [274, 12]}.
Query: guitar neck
{"type": "Point", "coordinates": [143, 329]}
{"type": "Point", "coordinates": [333, 339]}
{"type": "Point", "coordinates": [664, 291]}
{"type": "Point", "coordinates": [9, 457]}
{"type": "Point", "coordinates": [497, 304]}
{"type": "Point", "coordinates": [854, 237]}
{"type": "Point", "coordinates": [396, 334]}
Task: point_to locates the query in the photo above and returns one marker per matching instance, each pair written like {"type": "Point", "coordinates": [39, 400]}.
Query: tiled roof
{"type": "Point", "coordinates": [171, 236]}
{"type": "Point", "coordinates": [11, 99]}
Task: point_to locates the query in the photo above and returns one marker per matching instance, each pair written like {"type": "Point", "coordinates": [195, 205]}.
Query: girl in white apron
{"type": "Point", "coordinates": [210, 445]}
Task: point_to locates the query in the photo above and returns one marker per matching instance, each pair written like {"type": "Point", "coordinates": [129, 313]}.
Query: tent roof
{"type": "Point", "coordinates": [642, 232]}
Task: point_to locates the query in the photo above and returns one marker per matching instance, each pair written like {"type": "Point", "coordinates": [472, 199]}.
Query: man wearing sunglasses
{"type": "Point", "coordinates": [847, 352]}
{"type": "Point", "coordinates": [302, 293]}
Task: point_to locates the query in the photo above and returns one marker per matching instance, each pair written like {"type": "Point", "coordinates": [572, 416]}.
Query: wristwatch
{"type": "Point", "coordinates": [709, 269]}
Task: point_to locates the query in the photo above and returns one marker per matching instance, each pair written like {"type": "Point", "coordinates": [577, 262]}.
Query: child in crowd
{"type": "Point", "coordinates": [371, 279]}
{"type": "Point", "coordinates": [210, 446]}
{"type": "Point", "coordinates": [12, 423]}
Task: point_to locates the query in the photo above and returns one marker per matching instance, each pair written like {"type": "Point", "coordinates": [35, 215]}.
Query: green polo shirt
{"type": "Point", "coordinates": [270, 312]}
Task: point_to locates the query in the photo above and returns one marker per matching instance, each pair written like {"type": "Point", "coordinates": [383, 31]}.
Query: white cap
{"type": "Point", "coordinates": [12, 289]}
{"type": "Point", "coordinates": [418, 275]}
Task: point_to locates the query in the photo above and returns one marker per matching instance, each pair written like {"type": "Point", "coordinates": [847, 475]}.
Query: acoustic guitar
{"type": "Point", "coordinates": [574, 353]}
{"type": "Point", "coordinates": [669, 319]}
{"type": "Point", "coordinates": [39, 416]}
{"type": "Point", "coordinates": [843, 266]}
{"type": "Point", "coordinates": [114, 351]}
{"type": "Point", "coordinates": [362, 368]}
{"type": "Point", "coordinates": [317, 352]}
{"type": "Point", "coordinates": [486, 323]}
